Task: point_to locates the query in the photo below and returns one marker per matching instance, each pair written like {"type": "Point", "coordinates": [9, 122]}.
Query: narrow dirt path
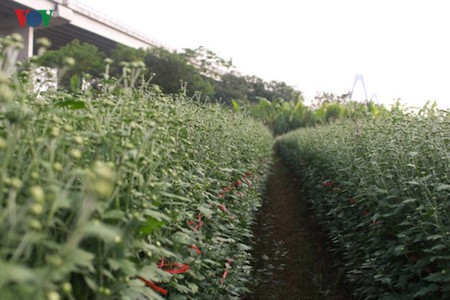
{"type": "Point", "coordinates": [292, 261]}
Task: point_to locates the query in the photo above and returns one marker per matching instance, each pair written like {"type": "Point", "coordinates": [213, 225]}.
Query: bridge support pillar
{"type": "Point", "coordinates": [27, 34]}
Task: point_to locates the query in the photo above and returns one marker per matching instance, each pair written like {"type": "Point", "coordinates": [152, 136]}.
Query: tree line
{"type": "Point", "coordinates": [200, 71]}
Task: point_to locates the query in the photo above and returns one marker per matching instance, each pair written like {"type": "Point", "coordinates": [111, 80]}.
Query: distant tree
{"type": "Point", "coordinates": [280, 90]}
{"type": "Point", "coordinates": [257, 89]}
{"type": "Point", "coordinates": [273, 90]}
{"type": "Point", "coordinates": [208, 62]}
{"type": "Point", "coordinates": [329, 98]}
{"type": "Point", "coordinates": [124, 53]}
{"type": "Point", "coordinates": [88, 60]}
{"type": "Point", "coordinates": [231, 87]}
{"type": "Point", "coordinates": [170, 69]}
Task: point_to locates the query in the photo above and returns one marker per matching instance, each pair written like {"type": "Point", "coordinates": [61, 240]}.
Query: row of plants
{"type": "Point", "coordinates": [283, 116]}
{"type": "Point", "coordinates": [126, 194]}
{"type": "Point", "coordinates": [381, 189]}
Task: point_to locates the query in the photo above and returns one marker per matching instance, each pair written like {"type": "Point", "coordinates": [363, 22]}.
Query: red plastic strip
{"type": "Point", "coordinates": [199, 222]}
{"type": "Point", "coordinates": [223, 208]}
{"type": "Point", "coordinates": [161, 263]}
{"type": "Point", "coordinates": [328, 183]}
{"type": "Point", "coordinates": [237, 183]}
{"type": "Point", "coordinates": [196, 249]}
{"type": "Point", "coordinates": [175, 268]}
{"type": "Point", "coordinates": [199, 225]}
{"type": "Point", "coordinates": [153, 286]}
{"type": "Point", "coordinates": [225, 273]}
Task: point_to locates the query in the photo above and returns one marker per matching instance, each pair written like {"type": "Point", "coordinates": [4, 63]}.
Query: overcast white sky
{"type": "Point", "coordinates": [401, 47]}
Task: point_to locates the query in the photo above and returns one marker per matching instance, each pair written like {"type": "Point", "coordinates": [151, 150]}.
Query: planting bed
{"type": "Point", "coordinates": [381, 190]}
{"type": "Point", "coordinates": [127, 197]}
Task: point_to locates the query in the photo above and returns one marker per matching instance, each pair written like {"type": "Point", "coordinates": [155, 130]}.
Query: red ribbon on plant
{"type": "Point", "coordinates": [236, 183]}
{"type": "Point", "coordinates": [196, 249]}
{"type": "Point", "coordinates": [327, 183]}
{"type": "Point", "coordinates": [225, 273]}
{"type": "Point", "coordinates": [199, 222]}
{"type": "Point", "coordinates": [175, 268]}
{"type": "Point", "coordinates": [223, 208]}
{"type": "Point", "coordinates": [153, 286]}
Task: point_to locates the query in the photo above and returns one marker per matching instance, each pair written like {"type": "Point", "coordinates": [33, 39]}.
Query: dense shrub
{"type": "Point", "coordinates": [381, 189]}
{"type": "Point", "coordinates": [88, 58]}
{"type": "Point", "coordinates": [283, 116]}
{"type": "Point", "coordinates": [125, 196]}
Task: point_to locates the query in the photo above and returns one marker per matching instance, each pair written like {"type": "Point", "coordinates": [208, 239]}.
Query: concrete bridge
{"type": "Point", "coordinates": [70, 20]}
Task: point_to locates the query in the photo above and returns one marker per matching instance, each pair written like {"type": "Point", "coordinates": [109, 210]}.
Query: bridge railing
{"type": "Point", "coordinates": [95, 14]}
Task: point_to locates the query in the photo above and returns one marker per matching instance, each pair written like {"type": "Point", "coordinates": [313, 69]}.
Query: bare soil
{"type": "Point", "coordinates": [292, 257]}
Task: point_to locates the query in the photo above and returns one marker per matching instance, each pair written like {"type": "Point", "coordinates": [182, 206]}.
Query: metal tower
{"type": "Point", "coordinates": [359, 77]}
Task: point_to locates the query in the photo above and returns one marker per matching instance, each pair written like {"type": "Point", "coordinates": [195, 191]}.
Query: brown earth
{"type": "Point", "coordinates": [292, 257]}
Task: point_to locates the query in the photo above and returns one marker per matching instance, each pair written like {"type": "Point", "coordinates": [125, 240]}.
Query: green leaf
{"type": "Point", "coordinates": [151, 225]}
{"type": "Point", "coordinates": [156, 215]}
{"type": "Point", "coordinates": [91, 283]}
{"type": "Point", "coordinates": [72, 104]}
{"type": "Point", "coordinates": [75, 83]}
{"type": "Point", "coordinates": [409, 200]}
{"type": "Point", "coordinates": [438, 247]}
{"type": "Point", "coordinates": [14, 273]}
{"type": "Point", "coordinates": [210, 261]}
{"type": "Point", "coordinates": [182, 288]}
{"type": "Point", "coordinates": [423, 291]}
{"type": "Point", "coordinates": [114, 215]}
{"type": "Point", "coordinates": [105, 232]}
{"type": "Point", "coordinates": [125, 265]}
{"type": "Point", "coordinates": [173, 196]}
{"type": "Point", "coordinates": [438, 277]}
{"type": "Point", "coordinates": [442, 187]}
{"type": "Point", "coordinates": [434, 237]}
{"type": "Point", "coordinates": [182, 238]}
{"type": "Point", "coordinates": [80, 258]}
{"type": "Point", "coordinates": [412, 182]}
{"type": "Point", "coordinates": [235, 105]}
{"type": "Point", "coordinates": [193, 287]}
{"type": "Point", "coordinates": [413, 153]}
{"type": "Point", "coordinates": [243, 247]}
{"type": "Point", "coordinates": [205, 211]}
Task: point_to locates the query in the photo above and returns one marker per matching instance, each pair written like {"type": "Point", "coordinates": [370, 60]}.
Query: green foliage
{"type": "Point", "coordinates": [194, 72]}
{"type": "Point", "coordinates": [231, 86]}
{"type": "Point", "coordinates": [87, 59]}
{"type": "Point", "coordinates": [171, 70]}
{"type": "Point", "coordinates": [380, 188]}
{"type": "Point", "coordinates": [235, 105]}
{"type": "Point", "coordinates": [207, 61]}
{"type": "Point", "coordinates": [96, 192]}
{"type": "Point", "coordinates": [122, 54]}
{"type": "Point", "coordinates": [284, 116]}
